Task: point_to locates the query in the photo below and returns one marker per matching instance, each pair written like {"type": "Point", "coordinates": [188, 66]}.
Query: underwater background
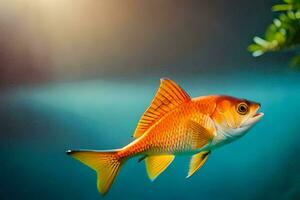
{"type": "Point", "coordinates": [79, 75]}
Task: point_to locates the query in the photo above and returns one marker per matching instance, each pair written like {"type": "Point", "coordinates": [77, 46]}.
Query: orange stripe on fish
{"type": "Point", "coordinates": [175, 124]}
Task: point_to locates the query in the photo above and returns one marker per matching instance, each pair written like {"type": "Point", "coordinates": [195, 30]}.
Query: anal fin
{"type": "Point", "coordinates": [197, 162]}
{"type": "Point", "coordinates": [156, 164]}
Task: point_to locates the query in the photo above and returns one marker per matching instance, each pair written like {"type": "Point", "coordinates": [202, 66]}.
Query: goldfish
{"type": "Point", "coordinates": [173, 125]}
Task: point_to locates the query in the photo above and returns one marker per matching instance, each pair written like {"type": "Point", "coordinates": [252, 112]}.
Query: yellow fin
{"type": "Point", "coordinates": [168, 97]}
{"type": "Point", "coordinates": [106, 164]}
{"type": "Point", "coordinates": [156, 164]}
{"type": "Point", "coordinates": [201, 133]}
{"type": "Point", "coordinates": [197, 162]}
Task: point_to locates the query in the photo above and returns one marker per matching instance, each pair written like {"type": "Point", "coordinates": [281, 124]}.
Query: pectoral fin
{"type": "Point", "coordinates": [197, 162]}
{"type": "Point", "coordinates": [156, 164]}
{"type": "Point", "coordinates": [201, 132]}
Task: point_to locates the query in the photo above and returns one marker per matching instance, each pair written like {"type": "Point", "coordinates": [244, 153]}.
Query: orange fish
{"type": "Point", "coordinates": [175, 124]}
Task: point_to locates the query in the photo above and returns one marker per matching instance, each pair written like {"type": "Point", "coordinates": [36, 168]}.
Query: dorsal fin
{"type": "Point", "coordinates": [168, 97]}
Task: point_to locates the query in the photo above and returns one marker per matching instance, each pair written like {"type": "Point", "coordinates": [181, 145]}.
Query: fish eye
{"type": "Point", "coordinates": [242, 108]}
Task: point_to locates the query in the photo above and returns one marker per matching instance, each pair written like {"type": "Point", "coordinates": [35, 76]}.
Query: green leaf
{"type": "Point", "coordinates": [282, 7]}
{"type": "Point", "coordinates": [283, 34]}
{"type": "Point", "coordinates": [254, 47]}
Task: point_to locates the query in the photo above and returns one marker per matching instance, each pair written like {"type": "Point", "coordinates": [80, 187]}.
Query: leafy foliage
{"type": "Point", "coordinates": [282, 34]}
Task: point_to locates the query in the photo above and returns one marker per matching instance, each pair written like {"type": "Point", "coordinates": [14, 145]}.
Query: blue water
{"type": "Point", "coordinates": [39, 123]}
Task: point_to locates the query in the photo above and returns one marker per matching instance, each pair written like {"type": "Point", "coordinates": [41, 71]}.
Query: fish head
{"type": "Point", "coordinates": [235, 116]}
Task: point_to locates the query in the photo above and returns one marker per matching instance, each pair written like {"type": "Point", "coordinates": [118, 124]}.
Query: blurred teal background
{"type": "Point", "coordinates": [80, 74]}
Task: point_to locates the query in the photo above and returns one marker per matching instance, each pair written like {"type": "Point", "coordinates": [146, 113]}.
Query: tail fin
{"type": "Point", "coordinates": [107, 164]}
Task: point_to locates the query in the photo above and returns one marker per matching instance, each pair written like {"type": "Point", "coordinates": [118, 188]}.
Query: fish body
{"type": "Point", "coordinates": [174, 133]}
{"type": "Point", "coordinates": [176, 124]}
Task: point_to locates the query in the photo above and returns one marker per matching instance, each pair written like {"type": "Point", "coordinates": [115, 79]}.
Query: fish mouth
{"type": "Point", "coordinates": [254, 119]}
